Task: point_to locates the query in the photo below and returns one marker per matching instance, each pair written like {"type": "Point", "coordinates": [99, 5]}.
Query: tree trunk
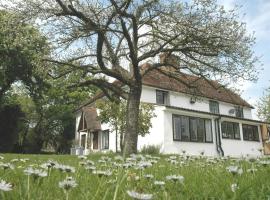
{"type": "Point", "coordinates": [131, 132]}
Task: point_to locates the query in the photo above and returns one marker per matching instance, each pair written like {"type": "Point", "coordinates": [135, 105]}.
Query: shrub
{"type": "Point", "coordinates": [151, 149]}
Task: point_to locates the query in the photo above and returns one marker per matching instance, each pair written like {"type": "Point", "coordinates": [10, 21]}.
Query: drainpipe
{"type": "Point", "coordinates": [218, 137]}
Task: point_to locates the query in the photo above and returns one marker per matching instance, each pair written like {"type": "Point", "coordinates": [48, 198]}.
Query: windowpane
{"type": "Point", "coordinates": [224, 129]}
{"type": "Point", "coordinates": [236, 131]}
{"type": "Point", "coordinates": [193, 129]}
{"type": "Point", "coordinates": [214, 107]}
{"type": "Point", "coordinates": [230, 130]}
{"type": "Point", "coordinates": [239, 112]}
{"type": "Point", "coordinates": [177, 127]}
{"type": "Point", "coordinates": [201, 130]}
{"type": "Point", "coordinates": [162, 97]}
{"type": "Point", "coordinates": [250, 132]}
{"type": "Point", "coordinates": [105, 139]}
{"type": "Point", "coordinates": [185, 128]}
{"type": "Point", "coordinates": [208, 131]}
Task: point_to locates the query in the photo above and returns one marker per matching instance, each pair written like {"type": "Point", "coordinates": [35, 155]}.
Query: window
{"type": "Point", "coordinates": [239, 112]}
{"type": "Point", "coordinates": [230, 130]}
{"type": "Point", "coordinates": [250, 132]}
{"type": "Point", "coordinates": [192, 129]}
{"type": "Point", "coordinates": [162, 97]}
{"type": "Point", "coordinates": [105, 139]}
{"type": "Point", "coordinates": [214, 107]}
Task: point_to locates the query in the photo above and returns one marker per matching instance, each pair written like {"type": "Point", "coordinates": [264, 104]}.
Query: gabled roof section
{"type": "Point", "coordinates": [196, 86]}
{"type": "Point", "coordinates": [89, 120]}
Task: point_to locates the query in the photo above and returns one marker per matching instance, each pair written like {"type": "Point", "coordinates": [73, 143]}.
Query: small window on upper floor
{"type": "Point", "coordinates": [162, 97]}
{"type": "Point", "coordinates": [239, 112]}
{"type": "Point", "coordinates": [214, 107]}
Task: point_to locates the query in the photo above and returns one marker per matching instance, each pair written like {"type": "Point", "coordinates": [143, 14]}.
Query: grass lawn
{"type": "Point", "coordinates": [107, 176]}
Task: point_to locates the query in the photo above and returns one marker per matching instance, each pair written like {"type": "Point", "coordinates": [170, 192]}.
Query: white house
{"type": "Point", "coordinates": [208, 118]}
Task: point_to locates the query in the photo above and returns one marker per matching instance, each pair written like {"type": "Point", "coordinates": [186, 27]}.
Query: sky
{"type": "Point", "coordinates": [257, 16]}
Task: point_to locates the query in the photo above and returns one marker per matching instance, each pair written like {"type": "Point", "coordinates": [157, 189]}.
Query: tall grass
{"type": "Point", "coordinates": [204, 178]}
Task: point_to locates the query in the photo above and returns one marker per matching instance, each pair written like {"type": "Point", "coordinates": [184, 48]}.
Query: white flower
{"type": "Point", "coordinates": [235, 170]}
{"type": "Point", "coordinates": [119, 158]}
{"type": "Point", "coordinates": [140, 196]}
{"type": "Point", "coordinates": [4, 186]}
{"type": "Point", "coordinates": [35, 172]}
{"type": "Point", "coordinates": [64, 168]}
{"type": "Point", "coordinates": [14, 160]}
{"type": "Point", "coordinates": [102, 173]}
{"type": "Point", "coordinates": [144, 164]}
{"type": "Point", "coordinates": [68, 183]}
{"type": "Point", "coordinates": [159, 183]}
{"type": "Point", "coordinates": [1, 158]}
{"type": "Point", "coordinates": [234, 187]}
{"type": "Point", "coordinates": [265, 162]}
{"type": "Point", "coordinates": [6, 166]}
{"type": "Point", "coordinates": [82, 157]}
{"type": "Point", "coordinates": [148, 176]}
{"type": "Point", "coordinates": [176, 178]}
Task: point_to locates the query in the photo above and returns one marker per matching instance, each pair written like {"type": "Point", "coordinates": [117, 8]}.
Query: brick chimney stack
{"type": "Point", "coordinates": [169, 59]}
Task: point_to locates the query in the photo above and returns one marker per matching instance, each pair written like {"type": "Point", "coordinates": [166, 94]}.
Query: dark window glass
{"type": "Point", "coordinates": [192, 129]}
{"type": "Point", "coordinates": [185, 128]}
{"type": "Point", "coordinates": [208, 130]}
{"type": "Point", "coordinates": [214, 107]}
{"type": "Point", "coordinates": [230, 130]}
{"type": "Point", "coordinates": [239, 112]}
{"type": "Point", "coordinates": [250, 132]}
{"type": "Point", "coordinates": [162, 97]}
{"type": "Point", "coordinates": [105, 139]}
{"type": "Point", "coordinates": [177, 128]}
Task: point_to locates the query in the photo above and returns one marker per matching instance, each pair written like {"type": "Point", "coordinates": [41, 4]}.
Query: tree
{"type": "Point", "coordinates": [264, 107]}
{"type": "Point", "coordinates": [106, 38]}
{"type": "Point", "coordinates": [21, 49]}
{"type": "Point", "coordinates": [114, 113]}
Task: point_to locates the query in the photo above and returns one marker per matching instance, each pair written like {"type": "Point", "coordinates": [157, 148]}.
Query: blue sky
{"type": "Point", "coordinates": [257, 17]}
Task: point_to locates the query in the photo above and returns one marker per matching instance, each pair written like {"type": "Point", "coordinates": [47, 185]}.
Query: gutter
{"type": "Point", "coordinates": [218, 137]}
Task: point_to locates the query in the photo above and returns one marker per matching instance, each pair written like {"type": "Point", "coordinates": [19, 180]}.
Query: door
{"type": "Point", "coordinates": [83, 140]}
{"type": "Point", "coordinates": [95, 140]}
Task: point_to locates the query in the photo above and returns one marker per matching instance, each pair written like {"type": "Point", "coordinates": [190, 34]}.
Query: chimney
{"type": "Point", "coordinates": [169, 59]}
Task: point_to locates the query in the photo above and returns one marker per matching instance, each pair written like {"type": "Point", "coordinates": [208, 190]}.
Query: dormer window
{"type": "Point", "coordinates": [214, 107]}
{"type": "Point", "coordinates": [239, 112]}
{"type": "Point", "coordinates": [162, 97]}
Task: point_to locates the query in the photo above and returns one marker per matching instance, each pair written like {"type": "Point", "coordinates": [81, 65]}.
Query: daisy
{"type": "Point", "coordinates": [68, 183]}
{"type": "Point", "coordinates": [4, 186]}
{"type": "Point", "coordinates": [175, 178]}
{"type": "Point", "coordinates": [35, 172]}
{"type": "Point", "coordinates": [235, 170]}
{"type": "Point", "coordinates": [140, 196]}
{"type": "Point", "coordinates": [6, 166]}
{"type": "Point", "coordinates": [148, 176]}
{"type": "Point", "coordinates": [234, 187]}
{"type": "Point", "coordinates": [161, 183]}
{"type": "Point", "coordinates": [1, 158]}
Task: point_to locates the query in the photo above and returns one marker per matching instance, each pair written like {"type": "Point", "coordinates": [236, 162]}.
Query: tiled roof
{"type": "Point", "coordinates": [182, 83]}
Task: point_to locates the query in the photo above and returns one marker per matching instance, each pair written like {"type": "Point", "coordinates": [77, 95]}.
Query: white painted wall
{"type": "Point", "coordinates": [156, 135]}
{"type": "Point", "coordinates": [78, 117]}
{"type": "Point", "coordinates": [183, 100]}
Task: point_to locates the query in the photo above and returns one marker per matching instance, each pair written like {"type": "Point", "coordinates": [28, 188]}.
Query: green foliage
{"type": "Point", "coordinates": [114, 113]}
{"type": "Point", "coordinates": [21, 49]}
{"type": "Point", "coordinates": [150, 149]}
{"type": "Point", "coordinates": [264, 107]}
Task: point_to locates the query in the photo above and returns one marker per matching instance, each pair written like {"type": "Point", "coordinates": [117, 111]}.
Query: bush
{"type": "Point", "coordinates": [151, 149]}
